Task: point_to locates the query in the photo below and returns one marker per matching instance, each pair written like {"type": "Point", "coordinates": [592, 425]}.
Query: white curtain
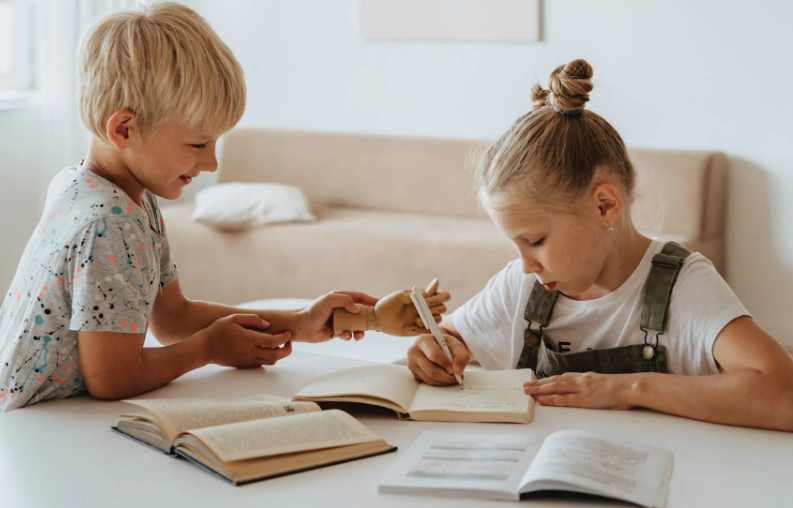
{"type": "Point", "coordinates": [60, 25]}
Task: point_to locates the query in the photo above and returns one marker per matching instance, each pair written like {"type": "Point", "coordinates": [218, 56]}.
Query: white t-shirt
{"type": "Point", "coordinates": [702, 304]}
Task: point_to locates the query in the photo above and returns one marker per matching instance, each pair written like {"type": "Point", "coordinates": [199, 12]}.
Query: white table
{"type": "Point", "coordinates": [63, 453]}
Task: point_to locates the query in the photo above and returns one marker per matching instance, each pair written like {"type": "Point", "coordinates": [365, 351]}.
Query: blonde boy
{"type": "Point", "coordinates": [157, 90]}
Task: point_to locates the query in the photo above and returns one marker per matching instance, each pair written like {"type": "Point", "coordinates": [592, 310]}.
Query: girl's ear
{"type": "Point", "coordinates": [121, 129]}
{"type": "Point", "coordinates": [609, 202]}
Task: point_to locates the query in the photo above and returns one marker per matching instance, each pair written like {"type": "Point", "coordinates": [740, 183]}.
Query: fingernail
{"type": "Point", "coordinates": [450, 370]}
{"type": "Point", "coordinates": [265, 323]}
{"type": "Point", "coordinates": [288, 334]}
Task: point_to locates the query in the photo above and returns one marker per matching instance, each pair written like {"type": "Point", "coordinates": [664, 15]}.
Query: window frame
{"type": "Point", "coordinates": [20, 77]}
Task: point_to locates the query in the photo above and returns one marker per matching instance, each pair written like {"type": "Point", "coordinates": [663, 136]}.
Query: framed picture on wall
{"type": "Point", "coordinates": [451, 20]}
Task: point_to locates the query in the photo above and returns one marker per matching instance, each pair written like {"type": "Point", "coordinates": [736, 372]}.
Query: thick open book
{"type": "Point", "coordinates": [246, 440]}
{"type": "Point", "coordinates": [504, 466]}
{"type": "Point", "coordinates": [486, 396]}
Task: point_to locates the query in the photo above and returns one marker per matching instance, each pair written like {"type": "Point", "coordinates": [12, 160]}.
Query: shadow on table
{"type": "Point", "coordinates": [565, 498]}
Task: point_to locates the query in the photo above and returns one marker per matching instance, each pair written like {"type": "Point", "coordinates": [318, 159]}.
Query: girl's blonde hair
{"type": "Point", "coordinates": [164, 63]}
{"type": "Point", "coordinates": [551, 154]}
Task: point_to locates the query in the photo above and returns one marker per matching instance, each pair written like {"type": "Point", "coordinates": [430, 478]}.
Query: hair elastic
{"type": "Point", "coordinates": [569, 112]}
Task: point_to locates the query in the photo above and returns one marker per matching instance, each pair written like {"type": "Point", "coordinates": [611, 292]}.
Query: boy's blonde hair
{"type": "Point", "coordinates": [164, 63]}
{"type": "Point", "coordinates": [551, 154]}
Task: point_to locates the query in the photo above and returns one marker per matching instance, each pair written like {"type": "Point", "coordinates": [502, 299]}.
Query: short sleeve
{"type": "Point", "coordinates": [115, 276]}
{"type": "Point", "coordinates": [702, 305]}
{"type": "Point", "coordinates": [485, 322]}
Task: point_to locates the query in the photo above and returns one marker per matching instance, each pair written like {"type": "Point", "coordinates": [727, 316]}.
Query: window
{"type": "Point", "coordinates": [16, 67]}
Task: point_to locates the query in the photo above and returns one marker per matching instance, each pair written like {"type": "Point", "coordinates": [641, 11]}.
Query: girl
{"type": "Point", "coordinates": [607, 317]}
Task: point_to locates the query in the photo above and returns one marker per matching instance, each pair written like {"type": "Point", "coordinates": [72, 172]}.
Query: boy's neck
{"type": "Point", "coordinates": [112, 167]}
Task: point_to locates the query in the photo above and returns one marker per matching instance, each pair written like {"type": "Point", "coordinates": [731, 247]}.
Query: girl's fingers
{"type": "Point", "coordinates": [358, 335]}
{"type": "Point", "coordinates": [432, 373]}
{"type": "Point", "coordinates": [553, 388]}
{"type": "Point", "coordinates": [560, 401]}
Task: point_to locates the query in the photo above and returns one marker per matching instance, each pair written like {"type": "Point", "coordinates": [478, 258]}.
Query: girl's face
{"type": "Point", "coordinates": [565, 251]}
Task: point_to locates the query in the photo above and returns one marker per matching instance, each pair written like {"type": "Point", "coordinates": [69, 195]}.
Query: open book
{"type": "Point", "coordinates": [486, 396]}
{"type": "Point", "coordinates": [504, 466]}
{"type": "Point", "coordinates": [246, 440]}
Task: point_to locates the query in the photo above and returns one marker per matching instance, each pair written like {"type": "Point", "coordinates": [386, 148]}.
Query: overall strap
{"type": "Point", "coordinates": [540, 305]}
{"type": "Point", "coordinates": [538, 310]}
{"type": "Point", "coordinates": [663, 275]}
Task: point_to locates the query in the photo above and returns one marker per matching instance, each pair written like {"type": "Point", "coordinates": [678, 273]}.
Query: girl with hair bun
{"type": "Point", "coordinates": [606, 317]}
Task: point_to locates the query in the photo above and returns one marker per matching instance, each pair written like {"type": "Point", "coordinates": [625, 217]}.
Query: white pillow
{"type": "Point", "coordinates": [237, 206]}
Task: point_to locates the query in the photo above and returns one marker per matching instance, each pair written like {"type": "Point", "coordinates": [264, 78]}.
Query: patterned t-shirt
{"type": "Point", "coordinates": [95, 263]}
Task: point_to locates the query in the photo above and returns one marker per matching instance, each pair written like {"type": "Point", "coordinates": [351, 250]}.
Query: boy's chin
{"type": "Point", "coordinates": [167, 192]}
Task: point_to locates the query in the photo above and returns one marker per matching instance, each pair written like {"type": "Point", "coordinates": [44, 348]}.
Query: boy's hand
{"type": "Point", "coordinates": [429, 365]}
{"type": "Point", "coordinates": [239, 341]}
{"type": "Point", "coordinates": [315, 323]}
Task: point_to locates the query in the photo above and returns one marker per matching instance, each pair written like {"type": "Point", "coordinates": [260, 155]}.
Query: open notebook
{"type": "Point", "coordinates": [486, 396]}
{"type": "Point", "coordinates": [506, 466]}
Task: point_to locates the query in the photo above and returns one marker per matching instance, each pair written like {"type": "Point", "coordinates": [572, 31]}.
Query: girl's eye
{"type": "Point", "coordinates": [537, 243]}
{"type": "Point", "coordinates": [202, 145]}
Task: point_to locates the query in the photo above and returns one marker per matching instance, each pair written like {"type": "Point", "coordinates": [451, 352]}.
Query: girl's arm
{"type": "Point", "coordinates": [754, 390]}
{"type": "Point", "coordinates": [176, 318]}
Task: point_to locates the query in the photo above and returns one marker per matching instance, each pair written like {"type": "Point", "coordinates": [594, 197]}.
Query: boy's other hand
{"type": "Point", "coordinates": [428, 364]}
{"type": "Point", "coordinates": [315, 323]}
{"type": "Point", "coordinates": [239, 341]}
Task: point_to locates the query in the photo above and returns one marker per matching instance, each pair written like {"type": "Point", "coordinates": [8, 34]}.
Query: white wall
{"type": "Point", "coordinates": [700, 74]}
{"type": "Point", "coordinates": [21, 145]}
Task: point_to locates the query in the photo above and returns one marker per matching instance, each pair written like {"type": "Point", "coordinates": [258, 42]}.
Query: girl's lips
{"type": "Point", "coordinates": [549, 286]}
{"type": "Point", "coordinates": [186, 179]}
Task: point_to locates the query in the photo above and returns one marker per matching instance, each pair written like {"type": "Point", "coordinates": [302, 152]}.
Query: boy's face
{"type": "Point", "coordinates": [168, 160]}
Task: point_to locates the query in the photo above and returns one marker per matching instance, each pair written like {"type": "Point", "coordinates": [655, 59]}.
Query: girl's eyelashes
{"type": "Point", "coordinates": [537, 243]}
{"type": "Point", "coordinates": [199, 146]}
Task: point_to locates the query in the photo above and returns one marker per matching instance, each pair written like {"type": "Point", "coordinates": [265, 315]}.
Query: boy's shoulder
{"type": "Point", "coordinates": [77, 198]}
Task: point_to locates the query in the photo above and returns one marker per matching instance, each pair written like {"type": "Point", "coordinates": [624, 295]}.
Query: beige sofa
{"type": "Point", "coordinates": [395, 211]}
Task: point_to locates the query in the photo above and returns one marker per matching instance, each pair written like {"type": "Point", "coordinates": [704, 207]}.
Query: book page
{"type": "Point", "coordinates": [390, 382]}
{"type": "Point", "coordinates": [179, 415]}
{"type": "Point", "coordinates": [264, 438]}
{"type": "Point", "coordinates": [483, 391]}
{"type": "Point", "coordinates": [459, 464]}
{"type": "Point", "coordinates": [594, 464]}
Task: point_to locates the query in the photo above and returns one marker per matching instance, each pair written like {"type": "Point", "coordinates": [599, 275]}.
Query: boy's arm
{"type": "Point", "coordinates": [755, 390]}
{"type": "Point", "coordinates": [116, 365]}
{"type": "Point", "coordinates": [176, 318]}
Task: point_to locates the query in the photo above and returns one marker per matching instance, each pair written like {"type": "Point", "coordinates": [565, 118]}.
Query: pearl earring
{"type": "Point", "coordinates": [610, 229]}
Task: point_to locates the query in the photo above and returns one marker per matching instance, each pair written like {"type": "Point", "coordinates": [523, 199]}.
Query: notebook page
{"type": "Point", "coordinates": [600, 465]}
{"type": "Point", "coordinates": [483, 391]}
{"type": "Point", "coordinates": [463, 465]}
{"type": "Point", "coordinates": [390, 382]}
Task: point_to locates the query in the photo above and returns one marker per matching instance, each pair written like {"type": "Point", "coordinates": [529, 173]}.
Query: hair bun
{"type": "Point", "coordinates": [569, 86]}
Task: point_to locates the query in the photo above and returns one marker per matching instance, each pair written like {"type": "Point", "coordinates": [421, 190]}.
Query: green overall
{"type": "Point", "coordinates": [647, 357]}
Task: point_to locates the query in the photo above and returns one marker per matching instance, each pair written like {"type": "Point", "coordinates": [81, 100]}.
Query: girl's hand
{"type": "Point", "coordinates": [588, 390]}
{"type": "Point", "coordinates": [314, 323]}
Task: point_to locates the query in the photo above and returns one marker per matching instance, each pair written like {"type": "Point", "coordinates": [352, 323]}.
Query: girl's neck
{"type": "Point", "coordinates": [624, 257]}
{"type": "Point", "coordinates": [113, 168]}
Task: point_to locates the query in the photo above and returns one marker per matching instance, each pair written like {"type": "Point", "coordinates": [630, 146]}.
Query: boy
{"type": "Point", "coordinates": [157, 89]}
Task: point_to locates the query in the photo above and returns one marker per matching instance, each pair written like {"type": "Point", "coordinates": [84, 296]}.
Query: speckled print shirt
{"type": "Point", "coordinates": [95, 263]}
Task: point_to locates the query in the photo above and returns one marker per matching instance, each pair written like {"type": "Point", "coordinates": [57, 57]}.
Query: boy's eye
{"type": "Point", "coordinates": [537, 243]}
{"type": "Point", "coordinates": [202, 145]}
